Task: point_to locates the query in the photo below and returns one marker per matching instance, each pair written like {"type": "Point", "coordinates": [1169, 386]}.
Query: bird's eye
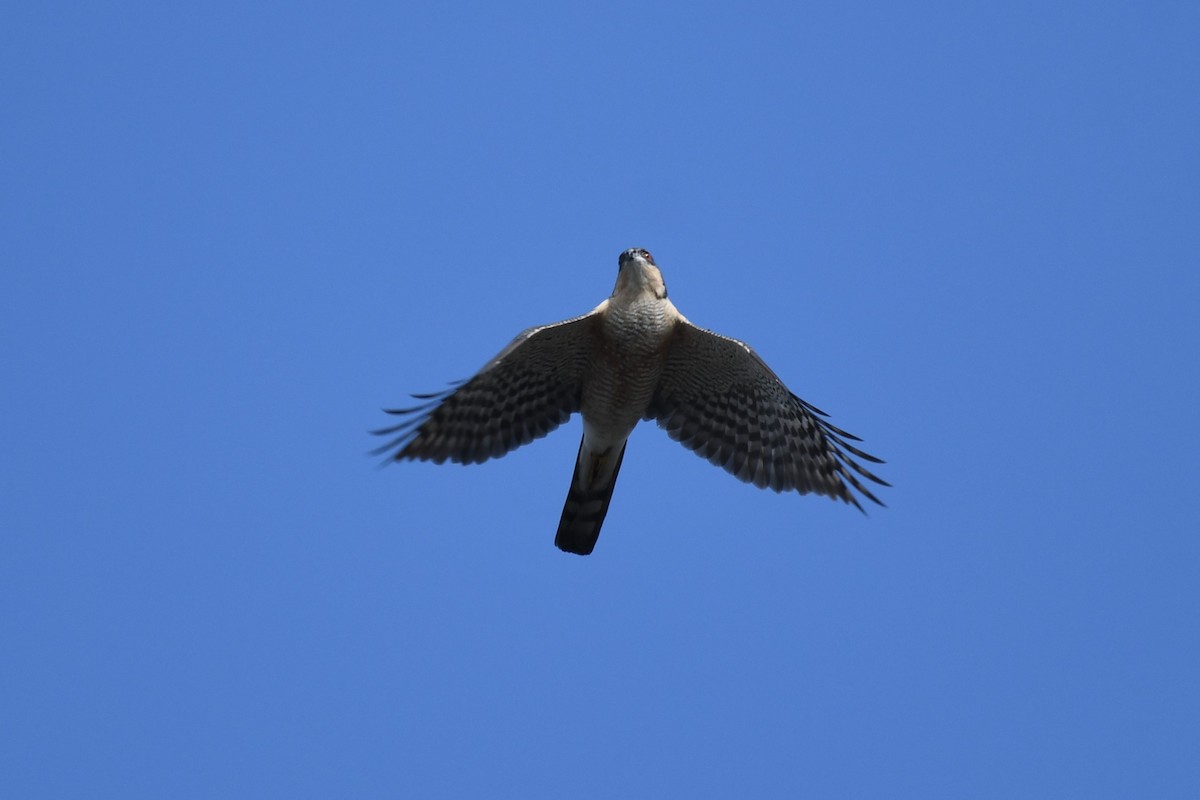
{"type": "Point", "coordinates": [647, 256]}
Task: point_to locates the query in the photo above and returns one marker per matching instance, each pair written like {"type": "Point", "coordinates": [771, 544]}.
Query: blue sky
{"type": "Point", "coordinates": [233, 233]}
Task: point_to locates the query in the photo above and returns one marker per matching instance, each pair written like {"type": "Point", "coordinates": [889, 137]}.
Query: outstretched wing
{"type": "Point", "coordinates": [718, 398]}
{"type": "Point", "coordinates": [528, 390]}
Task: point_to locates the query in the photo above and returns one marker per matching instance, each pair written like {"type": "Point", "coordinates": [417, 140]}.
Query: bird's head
{"type": "Point", "coordinates": [637, 273]}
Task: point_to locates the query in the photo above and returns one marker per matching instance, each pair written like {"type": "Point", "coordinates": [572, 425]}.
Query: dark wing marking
{"type": "Point", "coordinates": [528, 390]}
{"type": "Point", "coordinates": [719, 399]}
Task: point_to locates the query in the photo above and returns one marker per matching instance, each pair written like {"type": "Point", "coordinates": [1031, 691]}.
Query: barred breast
{"type": "Point", "coordinates": [621, 383]}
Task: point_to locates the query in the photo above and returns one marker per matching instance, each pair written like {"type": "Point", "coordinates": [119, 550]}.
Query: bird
{"type": "Point", "coordinates": [634, 357]}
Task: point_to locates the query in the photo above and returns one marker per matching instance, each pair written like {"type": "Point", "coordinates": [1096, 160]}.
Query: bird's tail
{"type": "Point", "coordinates": [588, 498]}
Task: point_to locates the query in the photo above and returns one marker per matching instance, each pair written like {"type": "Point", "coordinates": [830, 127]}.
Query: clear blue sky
{"type": "Point", "coordinates": [233, 232]}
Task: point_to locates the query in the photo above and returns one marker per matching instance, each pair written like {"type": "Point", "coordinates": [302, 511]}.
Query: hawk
{"type": "Point", "coordinates": [634, 357]}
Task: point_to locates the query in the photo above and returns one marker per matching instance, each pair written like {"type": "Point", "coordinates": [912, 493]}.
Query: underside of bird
{"type": "Point", "coordinates": [635, 357]}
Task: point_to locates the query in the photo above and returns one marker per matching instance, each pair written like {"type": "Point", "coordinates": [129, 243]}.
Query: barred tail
{"type": "Point", "coordinates": [587, 500]}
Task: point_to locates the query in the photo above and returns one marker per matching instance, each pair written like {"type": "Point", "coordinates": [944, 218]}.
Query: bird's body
{"type": "Point", "coordinates": [634, 357]}
{"type": "Point", "coordinates": [635, 330]}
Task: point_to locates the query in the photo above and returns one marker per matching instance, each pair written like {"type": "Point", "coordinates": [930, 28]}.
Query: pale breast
{"type": "Point", "coordinates": [623, 378]}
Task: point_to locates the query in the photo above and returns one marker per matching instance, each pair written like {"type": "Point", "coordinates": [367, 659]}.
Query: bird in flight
{"type": "Point", "coordinates": [634, 357]}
